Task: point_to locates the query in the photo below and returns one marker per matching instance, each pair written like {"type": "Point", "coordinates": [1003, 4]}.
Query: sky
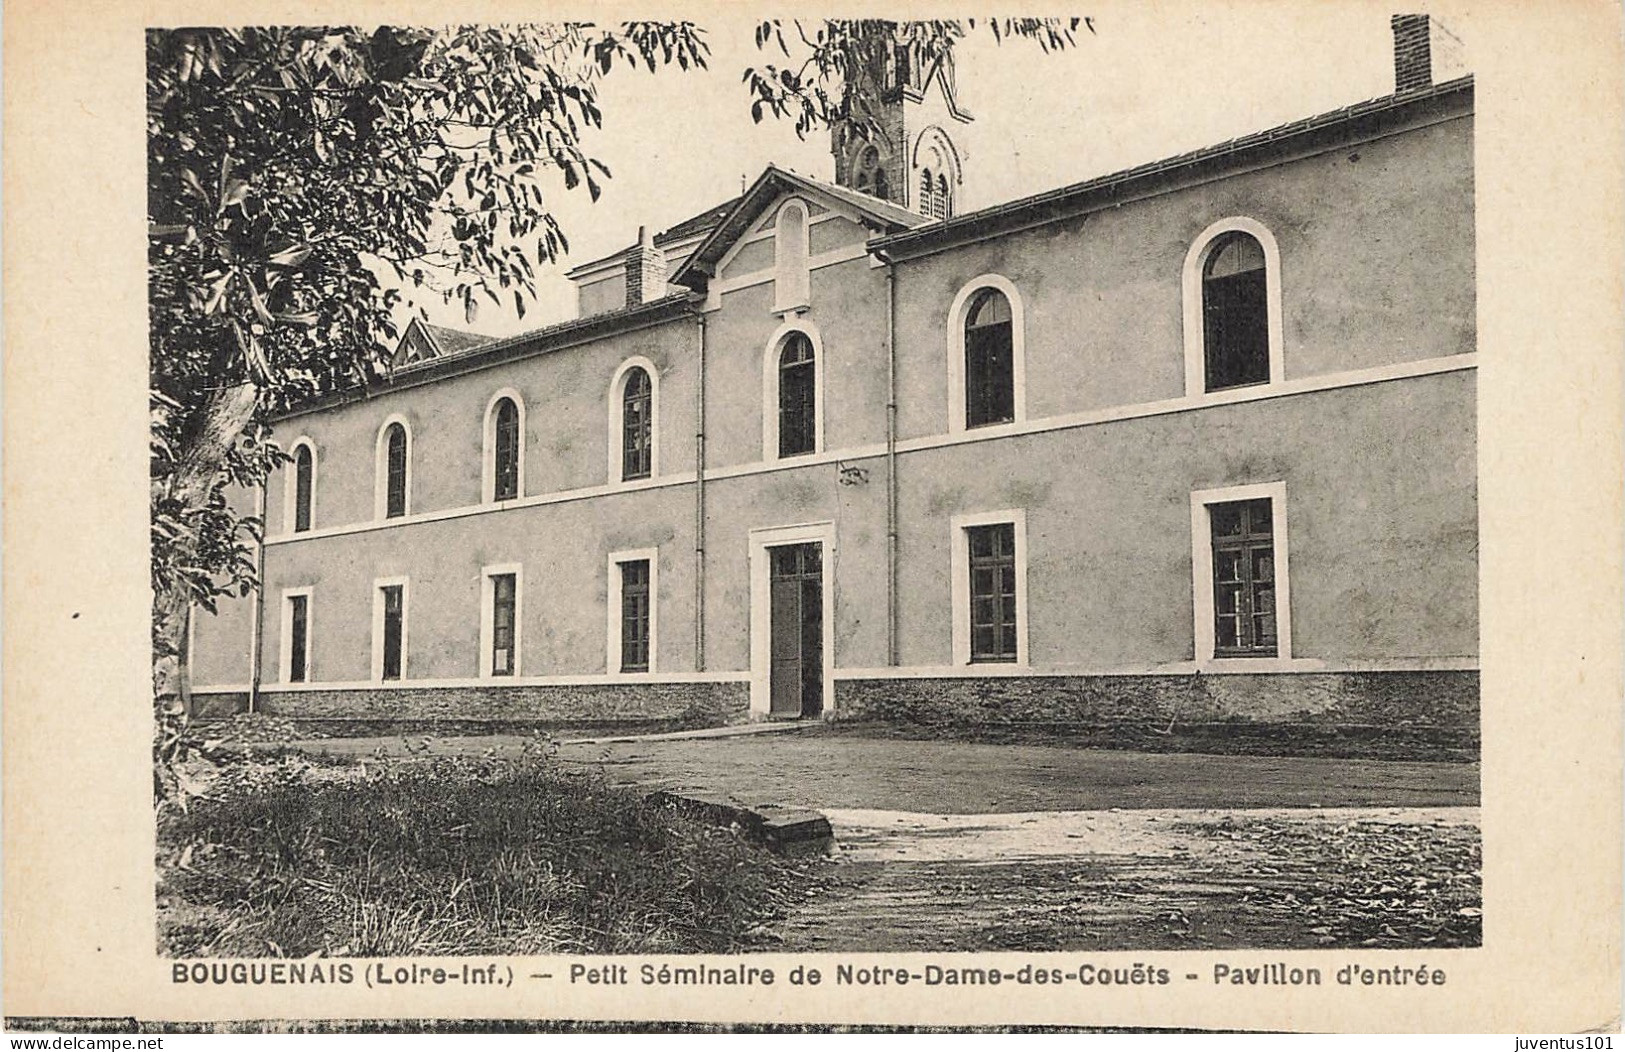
{"type": "Point", "coordinates": [1153, 80]}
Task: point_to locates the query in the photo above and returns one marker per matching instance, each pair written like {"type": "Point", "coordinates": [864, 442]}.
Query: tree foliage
{"type": "Point", "coordinates": [306, 183]}
{"type": "Point", "coordinates": [298, 180]}
{"type": "Point", "coordinates": [831, 66]}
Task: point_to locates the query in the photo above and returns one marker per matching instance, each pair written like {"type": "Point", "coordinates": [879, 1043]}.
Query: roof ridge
{"type": "Point", "coordinates": [1261, 137]}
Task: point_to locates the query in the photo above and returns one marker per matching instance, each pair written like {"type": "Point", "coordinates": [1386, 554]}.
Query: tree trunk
{"type": "Point", "coordinates": [200, 462]}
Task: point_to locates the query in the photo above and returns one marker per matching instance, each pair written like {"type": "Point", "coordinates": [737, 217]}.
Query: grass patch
{"type": "Point", "coordinates": [454, 856]}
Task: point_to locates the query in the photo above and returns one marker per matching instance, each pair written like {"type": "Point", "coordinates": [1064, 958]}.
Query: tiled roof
{"type": "Point", "coordinates": [691, 227]}
{"type": "Point", "coordinates": [1371, 114]}
{"type": "Point", "coordinates": [455, 341]}
{"type": "Point", "coordinates": [548, 336]}
{"type": "Point", "coordinates": [697, 224]}
{"type": "Point", "coordinates": [496, 350]}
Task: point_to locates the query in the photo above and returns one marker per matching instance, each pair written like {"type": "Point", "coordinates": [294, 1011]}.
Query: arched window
{"type": "Point", "coordinates": [989, 360]}
{"type": "Point", "coordinates": [503, 477]}
{"type": "Point", "coordinates": [1232, 294]}
{"type": "Point", "coordinates": [935, 158]}
{"type": "Point", "coordinates": [634, 421]}
{"type": "Point", "coordinates": [506, 450]}
{"type": "Point", "coordinates": [798, 396]}
{"type": "Point", "coordinates": [792, 391]}
{"type": "Point", "coordinates": [394, 470]}
{"type": "Point", "coordinates": [301, 500]}
{"type": "Point", "coordinates": [637, 425]}
{"type": "Point", "coordinates": [1235, 312]}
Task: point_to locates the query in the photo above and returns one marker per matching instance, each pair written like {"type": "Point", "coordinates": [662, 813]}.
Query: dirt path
{"type": "Point", "coordinates": [971, 845]}
{"type": "Point", "coordinates": [822, 769]}
{"type": "Point", "coordinates": [831, 771]}
{"type": "Point", "coordinates": [1149, 879]}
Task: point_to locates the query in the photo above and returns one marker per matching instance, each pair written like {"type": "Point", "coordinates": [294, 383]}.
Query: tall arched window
{"type": "Point", "coordinates": [637, 425]}
{"type": "Point", "coordinates": [394, 470]}
{"type": "Point", "coordinates": [798, 396]}
{"type": "Point", "coordinates": [634, 421]}
{"type": "Point", "coordinates": [1235, 312]}
{"type": "Point", "coordinates": [303, 498]}
{"type": "Point", "coordinates": [989, 360]}
{"type": "Point", "coordinates": [503, 477]}
{"type": "Point", "coordinates": [928, 187]}
{"type": "Point", "coordinates": [944, 201]}
{"type": "Point", "coordinates": [1232, 319]}
{"type": "Point", "coordinates": [506, 473]}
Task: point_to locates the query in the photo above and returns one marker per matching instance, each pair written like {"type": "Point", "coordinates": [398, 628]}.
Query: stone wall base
{"type": "Point", "coordinates": [1439, 707]}
{"type": "Point", "coordinates": [689, 704]}
{"type": "Point", "coordinates": [1386, 713]}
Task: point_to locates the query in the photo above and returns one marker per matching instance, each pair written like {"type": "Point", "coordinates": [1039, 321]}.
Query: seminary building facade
{"type": "Point", "coordinates": [1189, 443]}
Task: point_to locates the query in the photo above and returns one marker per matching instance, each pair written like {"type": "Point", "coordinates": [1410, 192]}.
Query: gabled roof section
{"type": "Point", "coordinates": [424, 342]}
{"type": "Point", "coordinates": [692, 227]}
{"type": "Point", "coordinates": [455, 341]}
{"type": "Point", "coordinates": [882, 216]}
{"type": "Point", "coordinates": [1360, 122]}
{"type": "Point", "coordinates": [697, 224]}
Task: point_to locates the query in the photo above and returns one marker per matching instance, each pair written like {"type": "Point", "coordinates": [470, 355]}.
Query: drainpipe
{"type": "Point", "coordinates": [257, 628]}
{"type": "Point", "coordinates": [699, 508]}
{"type": "Point", "coordinates": [891, 462]}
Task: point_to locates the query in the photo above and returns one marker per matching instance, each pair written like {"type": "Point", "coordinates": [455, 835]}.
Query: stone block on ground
{"type": "Point", "coordinates": [787, 830]}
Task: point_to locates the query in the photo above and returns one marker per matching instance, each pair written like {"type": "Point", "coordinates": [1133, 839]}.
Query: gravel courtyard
{"type": "Point", "coordinates": [952, 845]}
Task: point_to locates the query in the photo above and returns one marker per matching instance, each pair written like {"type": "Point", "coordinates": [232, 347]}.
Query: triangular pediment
{"type": "Point", "coordinates": [758, 204]}
{"type": "Point", "coordinates": [416, 345]}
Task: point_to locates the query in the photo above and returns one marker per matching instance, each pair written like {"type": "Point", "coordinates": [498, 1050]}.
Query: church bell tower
{"type": "Point", "coordinates": [909, 157]}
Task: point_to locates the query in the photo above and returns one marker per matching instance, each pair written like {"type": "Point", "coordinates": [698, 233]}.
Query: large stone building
{"type": "Point", "coordinates": [1191, 442]}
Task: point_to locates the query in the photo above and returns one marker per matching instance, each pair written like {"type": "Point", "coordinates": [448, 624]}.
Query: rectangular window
{"type": "Point", "coordinates": [298, 638]}
{"type": "Point", "coordinates": [394, 598]}
{"type": "Point", "coordinates": [1244, 610]}
{"type": "Point", "coordinates": [989, 376]}
{"type": "Point", "coordinates": [504, 601]}
{"type": "Point", "coordinates": [798, 419]}
{"type": "Point", "coordinates": [636, 451]}
{"type": "Point", "coordinates": [635, 616]}
{"type": "Point", "coordinates": [992, 551]}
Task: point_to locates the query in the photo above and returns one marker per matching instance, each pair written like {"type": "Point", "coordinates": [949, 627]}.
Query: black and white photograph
{"type": "Point", "coordinates": [877, 558]}
{"type": "Point", "coordinates": [679, 501]}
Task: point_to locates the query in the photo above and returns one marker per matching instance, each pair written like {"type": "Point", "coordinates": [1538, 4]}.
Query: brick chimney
{"type": "Point", "coordinates": [645, 270]}
{"type": "Point", "coordinates": [1413, 52]}
{"type": "Point", "coordinates": [1426, 52]}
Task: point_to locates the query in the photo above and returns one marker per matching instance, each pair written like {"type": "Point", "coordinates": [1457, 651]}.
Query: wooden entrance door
{"type": "Point", "coordinates": [796, 633]}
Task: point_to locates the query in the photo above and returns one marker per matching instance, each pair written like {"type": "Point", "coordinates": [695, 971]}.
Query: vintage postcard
{"type": "Point", "coordinates": [690, 515]}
